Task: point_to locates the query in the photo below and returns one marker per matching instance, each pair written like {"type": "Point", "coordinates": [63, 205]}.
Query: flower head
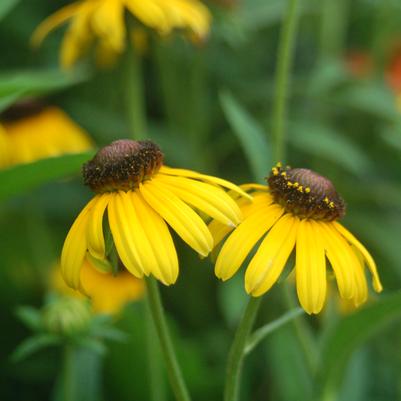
{"type": "Point", "coordinates": [103, 20]}
{"type": "Point", "coordinates": [141, 197]}
{"type": "Point", "coordinates": [33, 131]}
{"type": "Point", "coordinates": [297, 211]}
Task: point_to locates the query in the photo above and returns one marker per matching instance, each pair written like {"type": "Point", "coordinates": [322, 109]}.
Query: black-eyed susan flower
{"type": "Point", "coordinates": [141, 197]}
{"type": "Point", "coordinates": [297, 211]}
{"type": "Point", "coordinates": [103, 21]}
{"type": "Point", "coordinates": [34, 131]}
{"type": "Point", "coordinates": [108, 293]}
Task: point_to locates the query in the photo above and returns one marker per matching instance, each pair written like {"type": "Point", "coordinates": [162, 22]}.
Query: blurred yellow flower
{"type": "Point", "coordinates": [104, 20]}
{"type": "Point", "coordinates": [39, 133]}
{"type": "Point", "coordinates": [141, 195]}
{"type": "Point", "coordinates": [4, 149]}
{"type": "Point", "coordinates": [108, 293]}
{"type": "Point", "coordinates": [298, 210]}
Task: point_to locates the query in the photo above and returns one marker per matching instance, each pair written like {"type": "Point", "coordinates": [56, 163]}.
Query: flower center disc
{"type": "Point", "coordinates": [122, 165]}
{"type": "Point", "coordinates": [305, 193]}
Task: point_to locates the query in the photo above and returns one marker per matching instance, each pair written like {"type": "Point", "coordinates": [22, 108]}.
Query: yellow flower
{"type": "Point", "coordinates": [141, 195]}
{"type": "Point", "coordinates": [108, 293]}
{"type": "Point", "coordinates": [34, 132]}
{"type": "Point", "coordinates": [104, 20]}
{"type": "Point", "coordinates": [298, 210]}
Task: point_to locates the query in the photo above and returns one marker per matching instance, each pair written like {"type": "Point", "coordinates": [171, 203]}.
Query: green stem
{"type": "Point", "coordinates": [68, 373]}
{"type": "Point", "coordinates": [284, 58]}
{"type": "Point", "coordinates": [333, 28]}
{"type": "Point", "coordinates": [237, 351]}
{"type": "Point", "coordinates": [159, 320]}
{"type": "Point", "coordinates": [303, 333]}
{"type": "Point", "coordinates": [135, 95]}
{"type": "Point", "coordinates": [156, 379]}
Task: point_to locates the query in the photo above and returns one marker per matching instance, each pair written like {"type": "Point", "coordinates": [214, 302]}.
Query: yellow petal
{"type": "Point", "coordinates": [74, 248]}
{"type": "Point", "coordinates": [78, 36]}
{"type": "Point", "coordinates": [53, 21]}
{"type": "Point", "coordinates": [338, 260]}
{"type": "Point", "coordinates": [269, 261]}
{"type": "Point", "coordinates": [310, 268]}
{"type": "Point", "coordinates": [203, 177]}
{"type": "Point", "coordinates": [209, 199]}
{"type": "Point", "coordinates": [243, 239]}
{"type": "Point", "coordinates": [160, 240]}
{"type": "Point", "coordinates": [150, 13]}
{"type": "Point", "coordinates": [368, 258]}
{"type": "Point", "coordinates": [188, 225]}
{"type": "Point", "coordinates": [124, 235]}
{"type": "Point", "coordinates": [108, 23]}
{"type": "Point", "coordinates": [94, 233]}
{"type": "Point", "coordinates": [219, 230]}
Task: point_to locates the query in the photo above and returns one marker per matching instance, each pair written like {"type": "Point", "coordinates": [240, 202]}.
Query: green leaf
{"type": "Point", "coordinates": [261, 333]}
{"type": "Point", "coordinates": [321, 141]}
{"type": "Point", "coordinates": [251, 135]}
{"type": "Point", "coordinates": [34, 344]}
{"type": "Point", "coordinates": [349, 334]}
{"type": "Point", "coordinates": [14, 85]}
{"type": "Point", "coordinates": [6, 6]}
{"type": "Point", "coordinates": [30, 316]}
{"type": "Point", "coordinates": [92, 344]}
{"type": "Point", "coordinates": [372, 98]}
{"type": "Point", "coordinates": [22, 178]}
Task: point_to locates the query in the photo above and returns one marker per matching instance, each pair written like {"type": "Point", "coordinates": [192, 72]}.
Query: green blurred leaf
{"type": "Point", "coordinates": [250, 133]}
{"type": "Point", "coordinates": [33, 83]}
{"type": "Point", "coordinates": [30, 316]}
{"type": "Point", "coordinates": [321, 141]}
{"type": "Point", "coordinates": [21, 178]}
{"type": "Point", "coordinates": [6, 6]}
{"type": "Point", "coordinates": [34, 344]}
{"type": "Point", "coordinates": [349, 334]}
{"type": "Point", "coordinates": [374, 98]}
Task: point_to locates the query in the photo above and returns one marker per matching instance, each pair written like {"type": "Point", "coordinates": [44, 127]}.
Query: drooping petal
{"type": "Point", "coordinates": [204, 177]}
{"type": "Point", "coordinates": [338, 255]}
{"type": "Point", "coordinates": [54, 21]}
{"type": "Point", "coordinates": [94, 233]}
{"type": "Point", "coordinates": [208, 198]}
{"type": "Point", "coordinates": [188, 225]}
{"type": "Point", "coordinates": [78, 36]}
{"type": "Point", "coordinates": [150, 13]}
{"type": "Point", "coordinates": [310, 268]}
{"type": "Point", "coordinates": [243, 239]}
{"type": "Point", "coordinates": [108, 23]}
{"type": "Point", "coordinates": [160, 240]}
{"type": "Point", "coordinates": [124, 235]}
{"type": "Point", "coordinates": [368, 258]}
{"type": "Point", "coordinates": [74, 248]}
{"type": "Point", "coordinates": [269, 261]}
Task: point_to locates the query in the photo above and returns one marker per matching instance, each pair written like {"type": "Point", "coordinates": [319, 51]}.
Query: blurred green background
{"type": "Point", "coordinates": [209, 107]}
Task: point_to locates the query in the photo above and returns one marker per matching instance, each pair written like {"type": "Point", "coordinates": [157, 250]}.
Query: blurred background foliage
{"type": "Point", "coordinates": [209, 108]}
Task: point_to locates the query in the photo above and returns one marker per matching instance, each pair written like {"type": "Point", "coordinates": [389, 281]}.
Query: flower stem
{"type": "Point", "coordinates": [159, 320]}
{"type": "Point", "coordinates": [284, 58]}
{"type": "Point", "coordinates": [237, 351]}
{"type": "Point", "coordinates": [135, 95]}
{"type": "Point", "coordinates": [155, 368]}
{"type": "Point", "coordinates": [68, 373]}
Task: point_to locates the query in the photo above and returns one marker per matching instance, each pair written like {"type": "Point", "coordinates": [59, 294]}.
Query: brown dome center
{"type": "Point", "coordinates": [305, 193]}
{"type": "Point", "coordinates": [122, 165]}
